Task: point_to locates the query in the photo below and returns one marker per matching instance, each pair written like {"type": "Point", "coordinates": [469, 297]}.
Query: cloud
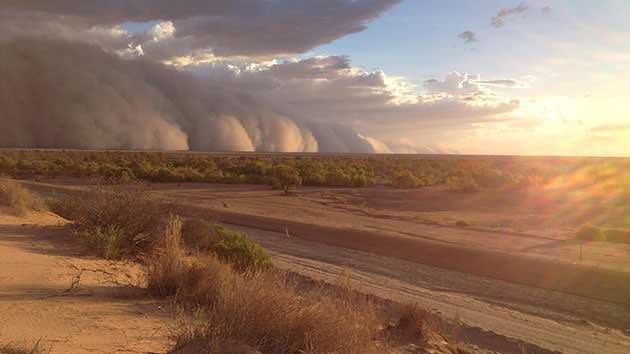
{"type": "Point", "coordinates": [377, 146]}
{"type": "Point", "coordinates": [407, 146]}
{"type": "Point", "coordinates": [468, 37]}
{"type": "Point", "coordinates": [254, 28]}
{"type": "Point", "coordinates": [458, 84]}
{"type": "Point", "coordinates": [87, 98]}
{"type": "Point", "coordinates": [546, 10]}
{"type": "Point", "coordinates": [454, 84]}
{"type": "Point", "coordinates": [498, 20]}
{"type": "Point", "coordinates": [611, 128]}
{"type": "Point", "coordinates": [224, 89]}
{"type": "Point", "coordinates": [510, 83]}
{"type": "Point", "coordinates": [328, 89]}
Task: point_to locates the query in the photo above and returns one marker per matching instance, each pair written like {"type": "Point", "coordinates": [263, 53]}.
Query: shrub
{"type": "Point", "coordinates": [413, 319]}
{"type": "Point", "coordinates": [594, 233]}
{"type": "Point", "coordinates": [463, 184]}
{"type": "Point", "coordinates": [115, 222]}
{"type": "Point", "coordinates": [19, 199]}
{"type": "Point", "coordinates": [617, 235]}
{"type": "Point", "coordinates": [406, 179]}
{"type": "Point", "coordinates": [266, 314]}
{"type": "Point", "coordinates": [589, 233]}
{"type": "Point", "coordinates": [199, 234]}
{"type": "Point", "coordinates": [167, 269]}
{"type": "Point", "coordinates": [36, 348]}
{"type": "Point", "coordinates": [286, 176]}
{"type": "Point", "coordinates": [105, 241]}
{"type": "Point", "coordinates": [462, 223]}
{"type": "Point", "coordinates": [235, 248]}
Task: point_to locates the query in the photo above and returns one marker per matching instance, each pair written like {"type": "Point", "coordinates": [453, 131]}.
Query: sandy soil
{"type": "Point", "coordinates": [74, 304]}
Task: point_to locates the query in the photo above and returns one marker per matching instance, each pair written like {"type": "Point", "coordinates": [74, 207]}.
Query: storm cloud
{"type": "Point", "coordinates": [58, 94]}
{"type": "Point", "coordinates": [213, 76]}
{"type": "Point", "coordinates": [225, 27]}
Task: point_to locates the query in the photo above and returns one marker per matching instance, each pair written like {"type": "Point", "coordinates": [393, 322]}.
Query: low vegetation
{"type": "Point", "coordinates": [229, 245]}
{"type": "Point", "coordinates": [199, 235]}
{"type": "Point", "coordinates": [462, 223]}
{"type": "Point", "coordinates": [115, 223]}
{"type": "Point", "coordinates": [225, 279]}
{"type": "Point", "coordinates": [36, 348]}
{"type": "Point", "coordinates": [287, 171]}
{"type": "Point", "coordinates": [18, 199]}
{"type": "Point", "coordinates": [259, 309]}
{"type": "Point", "coordinates": [594, 233]}
{"type": "Point", "coordinates": [235, 248]}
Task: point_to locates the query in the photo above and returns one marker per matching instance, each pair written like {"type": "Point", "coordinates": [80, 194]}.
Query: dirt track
{"type": "Point", "coordinates": [444, 291]}
{"type": "Point", "coordinates": [495, 255]}
{"type": "Point", "coordinates": [593, 282]}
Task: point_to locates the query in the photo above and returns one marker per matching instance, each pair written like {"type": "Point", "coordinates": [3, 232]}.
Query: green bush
{"type": "Point", "coordinates": [237, 249]}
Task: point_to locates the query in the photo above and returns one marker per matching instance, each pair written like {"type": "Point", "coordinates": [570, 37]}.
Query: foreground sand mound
{"type": "Point", "coordinates": [71, 303]}
{"type": "Point", "coordinates": [33, 218]}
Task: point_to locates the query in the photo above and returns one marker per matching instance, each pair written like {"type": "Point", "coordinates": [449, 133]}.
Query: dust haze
{"type": "Point", "coordinates": [61, 94]}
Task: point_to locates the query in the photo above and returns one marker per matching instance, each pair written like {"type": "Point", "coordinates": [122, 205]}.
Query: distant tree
{"type": "Point", "coordinates": [406, 179]}
{"type": "Point", "coordinates": [285, 177]}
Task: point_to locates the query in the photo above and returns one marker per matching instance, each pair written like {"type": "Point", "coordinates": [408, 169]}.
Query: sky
{"type": "Point", "coordinates": [574, 56]}
{"type": "Point", "coordinates": [534, 77]}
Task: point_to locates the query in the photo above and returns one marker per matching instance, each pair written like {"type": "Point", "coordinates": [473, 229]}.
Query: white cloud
{"type": "Point", "coordinates": [163, 30]}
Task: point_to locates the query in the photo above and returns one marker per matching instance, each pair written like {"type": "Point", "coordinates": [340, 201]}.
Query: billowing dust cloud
{"type": "Point", "coordinates": [57, 94]}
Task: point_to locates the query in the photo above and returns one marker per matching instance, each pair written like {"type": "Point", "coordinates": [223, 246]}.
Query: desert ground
{"type": "Point", "coordinates": [558, 300]}
{"type": "Point", "coordinates": [51, 292]}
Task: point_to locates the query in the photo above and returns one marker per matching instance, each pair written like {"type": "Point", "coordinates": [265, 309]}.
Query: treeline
{"type": "Point", "coordinates": [285, 171]}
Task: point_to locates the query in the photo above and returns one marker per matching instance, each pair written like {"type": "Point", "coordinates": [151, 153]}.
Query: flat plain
{"type": "Point", "coordinates": [505, 262]}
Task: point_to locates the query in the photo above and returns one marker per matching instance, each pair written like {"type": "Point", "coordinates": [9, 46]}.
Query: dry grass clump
{"type": "Point", "coordinates": [594, 233]}
{"type": "Point", "coordinates": [191, 281]}
{"type": "Point", "coordinates": [617, 235]}
{"type": "Point", "coordinates": [199, 234]}
{"type": "Point", "coordinates": [462, 224]}
{"type": "Point", "coordinates": [414, 320]}
{"type": "Point", "coordinates": [425, 329]}
{"type": "Point", "coordinates": [257, 309]}
{"type": "Point", "coordinates": [19, 199]}
{"type": "Point", "coordinates": [273, 318]}
{"type": "Point", "coordinates": [589, 233]}
{"type": "Point", "coordinates": [116, 223]}
{"type": "Point", "coordinates": [36, 348]}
